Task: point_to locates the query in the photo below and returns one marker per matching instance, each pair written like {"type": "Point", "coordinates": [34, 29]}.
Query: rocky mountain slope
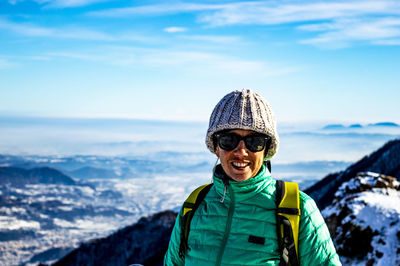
{"type": "Point", "coordinates": [364, 220]}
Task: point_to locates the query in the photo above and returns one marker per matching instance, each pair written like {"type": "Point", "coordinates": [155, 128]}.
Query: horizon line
{"type": "Point", "coordinates": [184, 119]}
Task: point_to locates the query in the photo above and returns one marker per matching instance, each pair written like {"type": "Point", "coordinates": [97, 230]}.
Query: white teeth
{"type": "Point", "coordinates": [239, 164]}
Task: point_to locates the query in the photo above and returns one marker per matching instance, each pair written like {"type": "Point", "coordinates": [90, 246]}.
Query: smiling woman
{"type": "Point", "coordinates": [236, 223]}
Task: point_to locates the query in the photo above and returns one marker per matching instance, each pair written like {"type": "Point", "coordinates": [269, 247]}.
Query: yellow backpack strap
{"type": "Point", "coordinates": [288, 218]}
{"type": "Point", "coordinates": [188, 209]}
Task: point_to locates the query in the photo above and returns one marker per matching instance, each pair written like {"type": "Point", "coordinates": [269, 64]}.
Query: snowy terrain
{"type": "Point", "coordinates": [37, 218]}
{"type": "Point", "coordinates": [364, 220]}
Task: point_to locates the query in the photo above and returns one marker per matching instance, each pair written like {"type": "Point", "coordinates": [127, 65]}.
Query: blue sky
{"type": "Point", "coordinates": [312, 60]}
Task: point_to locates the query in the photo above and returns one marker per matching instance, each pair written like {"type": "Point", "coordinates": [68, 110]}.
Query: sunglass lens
{"type": "Point", "coordinates": [229, 141]}
{"type": "Point", "coordinates": [255, 143]}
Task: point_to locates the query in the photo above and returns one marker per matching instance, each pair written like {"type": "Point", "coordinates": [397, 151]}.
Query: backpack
{"type": "Point", "coordinates": [287, 217]}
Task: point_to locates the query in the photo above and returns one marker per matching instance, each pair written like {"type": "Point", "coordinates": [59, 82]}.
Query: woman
{"type": "Point", "coordinates": [235, 224]}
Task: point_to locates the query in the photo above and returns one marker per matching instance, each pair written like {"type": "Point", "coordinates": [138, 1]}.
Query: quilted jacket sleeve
{"type": "Point", "coordinates": [172, 255]}
{"type": "Point", "coordinates": [315, 243]}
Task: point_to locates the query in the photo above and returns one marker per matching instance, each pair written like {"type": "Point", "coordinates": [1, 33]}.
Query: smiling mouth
{"type": "Point", "coordinates": [239, 166]}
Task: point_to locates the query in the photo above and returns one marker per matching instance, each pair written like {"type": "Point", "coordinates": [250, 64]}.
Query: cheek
{"type": "Point", "coordinates": [257, 159]}
{"type": "Point", "coordinates": [260, 159]}
{"type": "Point", "coordinates": [223, 156]}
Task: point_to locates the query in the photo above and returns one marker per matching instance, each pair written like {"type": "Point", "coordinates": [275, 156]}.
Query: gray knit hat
{"type": "Point", "coordinates": [243, 109]}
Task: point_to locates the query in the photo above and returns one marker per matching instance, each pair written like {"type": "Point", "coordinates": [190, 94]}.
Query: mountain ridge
{"type": "Point", "coordinates": [352, 126]}
{"type": "Point", "coordinates": [384, 160]}
{"type": "Point", "coordinates": [43, 175]}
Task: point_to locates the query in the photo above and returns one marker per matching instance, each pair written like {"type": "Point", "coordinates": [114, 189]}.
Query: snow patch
{"type": "Point", "coordinates": [12, 223]}
{"type": "Point", "coordinates": [369, 200]}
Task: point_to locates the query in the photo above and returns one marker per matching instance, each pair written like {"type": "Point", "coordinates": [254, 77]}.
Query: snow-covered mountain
{"type": "Point", "coordinates": [364, 220]}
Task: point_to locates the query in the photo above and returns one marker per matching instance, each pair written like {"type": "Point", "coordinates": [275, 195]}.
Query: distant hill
{"type": "Point", "coordinates": [334, 126]}
{"type": "Point", "coordinates": [44, 175]}
{"type": "Point", "coordinates": [384, 124]}
{"type": "Point", "coordinates": [355, 126]}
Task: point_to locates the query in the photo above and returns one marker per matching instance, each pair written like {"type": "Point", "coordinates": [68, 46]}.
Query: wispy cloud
{"type": "Point", "coordinates": [342, 32]}
{"type": "Point", "coordinates": [5, 63]}
{"type": "Point", "coordinates": [214, 63]}
{"type": "Point", "coordinates": [71, 32]}
{"type": "Point", "coordinates": [334, 24]}
{"type": "Point", "coordinates": [262, 12]}
{"type": "Point", "coordinates": [24, 29]}
{"type": "Point", "coordinates": [157, 9]}
{"type": "Point", "coordinates": [108, 57]}
{"type": "Point", "coordinates": [169, 59]}
{"type": "Point", "coordinates": [388, 42]}
{"type": "Point", "coordinates": [338, 23]}
{"type": "Point", "coordinates": [13, 2]}
{"type": "Point", "coordinates": [28, 29]}
{"type": "Point", "coordinates": [68, 3]}
{"type": "Point", "coordinates": [16, 61]}
{"type": "Point", "coordinates": [272, 12]}
{"type": "Point", "coordinates": [215, 39]}
{"type": "Point", "coordinates": [174, 29]}
{"type": "Point", "coordinates": [60, 3]}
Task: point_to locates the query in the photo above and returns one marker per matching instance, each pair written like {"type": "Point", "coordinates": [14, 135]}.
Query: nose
{"type": "Point", "coordinates": [241, 149]}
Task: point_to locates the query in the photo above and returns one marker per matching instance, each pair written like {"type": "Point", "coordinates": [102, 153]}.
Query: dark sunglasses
{"type": "Point", "coordinates": [254, 143]}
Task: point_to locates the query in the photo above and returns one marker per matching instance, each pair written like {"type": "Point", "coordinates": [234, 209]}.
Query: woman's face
{"type": "Point", "coordinates": [240, 164]}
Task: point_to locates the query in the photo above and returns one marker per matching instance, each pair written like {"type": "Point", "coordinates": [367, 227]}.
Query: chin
{"type": "Point", "coordinates": [240, 177]}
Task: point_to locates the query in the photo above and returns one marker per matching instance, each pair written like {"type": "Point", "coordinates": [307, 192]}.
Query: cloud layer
{"type": "Point", "coordinates": [334, 24]}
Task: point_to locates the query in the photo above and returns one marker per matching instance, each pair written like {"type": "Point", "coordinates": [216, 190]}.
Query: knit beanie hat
{"type": "Point", "coordinates": [247, 110]}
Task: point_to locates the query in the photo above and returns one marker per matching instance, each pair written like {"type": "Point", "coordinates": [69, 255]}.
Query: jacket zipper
{"type": "Point", "coordinates": [228, 222]}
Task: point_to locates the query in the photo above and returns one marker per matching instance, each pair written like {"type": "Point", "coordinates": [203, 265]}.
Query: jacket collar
{"type": "Point", "coordinates": [244, 189]}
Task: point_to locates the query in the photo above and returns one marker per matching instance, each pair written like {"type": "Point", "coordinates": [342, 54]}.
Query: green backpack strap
{"type": "Point", "coordinates": [288, 217]}
{"type": "Point", "coordinates": [188, 209]}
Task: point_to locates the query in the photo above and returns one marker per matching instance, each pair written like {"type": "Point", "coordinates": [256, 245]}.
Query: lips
{"type": "Point", "coordinates": [240, 165]}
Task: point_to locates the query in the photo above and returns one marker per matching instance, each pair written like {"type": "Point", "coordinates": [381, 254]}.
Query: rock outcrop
{"type": "Point", "coordinates": [364, 220]}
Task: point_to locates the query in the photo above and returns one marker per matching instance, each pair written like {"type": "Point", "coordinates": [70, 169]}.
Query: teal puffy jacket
{"type": "Point", "coordinates": [220, 231]}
